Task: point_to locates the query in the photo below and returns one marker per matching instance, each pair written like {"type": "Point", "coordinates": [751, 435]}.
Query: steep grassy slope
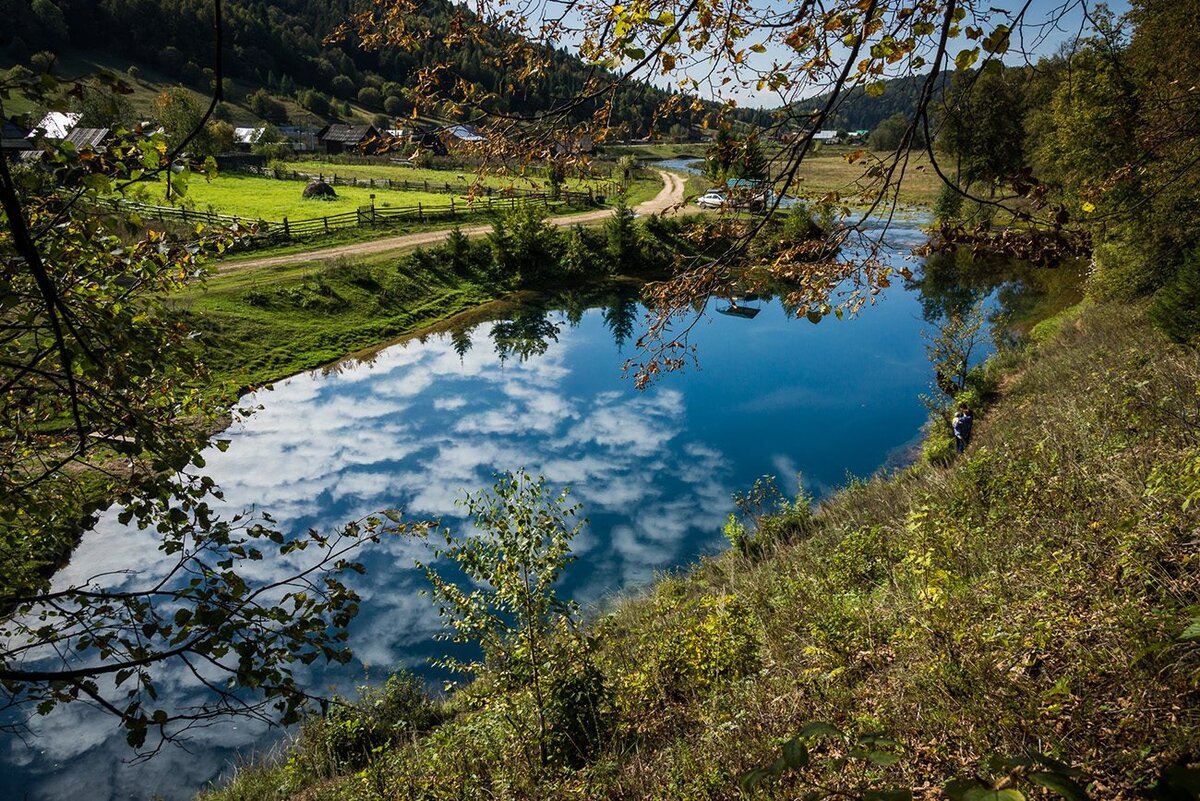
{"type": "Point", "coordinates": [1030, 598]}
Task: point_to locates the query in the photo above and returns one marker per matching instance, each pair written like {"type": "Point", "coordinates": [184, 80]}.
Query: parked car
{"type": "Point", "coordinates": [711, 199]}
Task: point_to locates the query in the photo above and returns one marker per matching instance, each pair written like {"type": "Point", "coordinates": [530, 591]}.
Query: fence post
{"type": "Point", "coordinates": [451, 207]}
{"type": "Point", "coordinates": [326, 225]}
{"type": "Point", "coordinates": [426, 184]}
{"type": "Point", "coordinates": [184, 210]}
{"type": "Point", "coordinates": [420, 213]}
{"type": "Point", "coordinates": [287, 231]}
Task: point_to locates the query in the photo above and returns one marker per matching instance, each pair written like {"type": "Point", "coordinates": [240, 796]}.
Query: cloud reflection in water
{"type": "Point", "coordinates": [423, 422]}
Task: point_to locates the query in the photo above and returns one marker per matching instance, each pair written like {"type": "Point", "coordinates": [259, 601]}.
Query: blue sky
{"type": "Point", "coordinates": [1048, 25]}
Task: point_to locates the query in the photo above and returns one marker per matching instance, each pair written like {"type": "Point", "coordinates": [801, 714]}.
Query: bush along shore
{"type": "Point", "coordinates": [1019, 621]}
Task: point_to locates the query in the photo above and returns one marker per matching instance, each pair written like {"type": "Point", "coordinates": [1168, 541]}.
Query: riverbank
{"type": "Point", "coordinates": [1032, 597]}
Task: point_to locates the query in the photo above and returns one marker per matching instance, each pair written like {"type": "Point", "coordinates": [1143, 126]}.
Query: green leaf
{"type": "Point", "coordinates": [882, 758]}
{"type": "Point", "coordinates": [795, 754]}
{"type": "Point", "coordinates": [997, 41]}
{"type": "Point", "coordinates": [987, 794]}
{"type": "Point", "coordinates": [813, 316]}
{"type": "Point", "coordinates": [136, 737]}
{"type": "Point", "coordinates": [1066, 787]}
{"type": "Point", "coordinates": [751, 779]}
{"type": "Point", "coordinates": [818, 729]}
{"type": "Point", "coordinates": [965, 59]}
{"type": "Point", "coordinates": [875, 89]}
{"type": "Point", "coordinates": [1192, 632]}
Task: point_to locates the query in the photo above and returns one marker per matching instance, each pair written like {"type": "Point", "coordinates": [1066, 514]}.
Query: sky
{"type": "Point", "coordinates": [1049, 24]}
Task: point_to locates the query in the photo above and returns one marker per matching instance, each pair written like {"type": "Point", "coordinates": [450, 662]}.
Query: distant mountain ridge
{"type": "Point", "coordinates": [857, 110]}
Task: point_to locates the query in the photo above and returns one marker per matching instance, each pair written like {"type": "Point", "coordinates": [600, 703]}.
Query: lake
{"type": "Point", "coordinates": [423, 421]}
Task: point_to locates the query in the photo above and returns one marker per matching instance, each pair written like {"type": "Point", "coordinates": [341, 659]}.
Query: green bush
{"type": "Point", "coordinates": [349, 735]}
{"type": "Point", "coordinates": [938, 448]}
{"type": "Point", "coordinates": [1176, 309]}
{"type": "Point", "coordinates": [1123, 268]}
{"type": "Point", "coordinates": [688, 647]}
{"type": "Point", "coordinates": [947, 208]}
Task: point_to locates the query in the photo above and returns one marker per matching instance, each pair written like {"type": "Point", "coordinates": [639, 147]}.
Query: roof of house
{"type": "Point", "coordinates": [822, 136]}
{"type": "Point", "coordinates": [87, 137]}
{"type": "Point", "coordinates": [247, 136]}
{"type": "Point", "coordinates": [347, 134]}
{"type": "Point", "coordinates": [465, 133]}
{"type": "Point", "coordinates": [57, 124]}
{"type": "Point", "coordinates": [13, 137]}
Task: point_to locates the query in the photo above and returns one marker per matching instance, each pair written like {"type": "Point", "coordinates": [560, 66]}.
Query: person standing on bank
{"type": "Point", "coordinates": [962, 428]}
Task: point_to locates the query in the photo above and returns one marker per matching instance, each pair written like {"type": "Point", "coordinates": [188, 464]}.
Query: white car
{"type": "Point", "coordinates": [711, 199]}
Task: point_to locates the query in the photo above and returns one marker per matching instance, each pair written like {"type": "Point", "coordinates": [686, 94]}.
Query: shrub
{"type": "Point", "coordinates": [689, 647]}
{"type": "Point", "coordinates": [938, 448]}
{"type": "Point", "coordinates": [580, 257]}
{"type": "Point", "coordinates": [767, 518]}
{"type": "Point", "coordinates": [1176, 309]}
{"type": "Point", "coordinates": [348, 734]}
{"type": "Point", "coordinates": [1123, 268]}
{"type": "Point", "coordinates": [947, 208]}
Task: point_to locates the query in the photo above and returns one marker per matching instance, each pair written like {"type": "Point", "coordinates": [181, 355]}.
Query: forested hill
{"type": "Point", "coordinates": [857, 110]}
{"type": "Point", "coordinates": [280, 45]}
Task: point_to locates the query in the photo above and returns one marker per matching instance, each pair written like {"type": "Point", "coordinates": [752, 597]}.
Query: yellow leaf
{"type": "Point", "coordinates": [1089, 206]}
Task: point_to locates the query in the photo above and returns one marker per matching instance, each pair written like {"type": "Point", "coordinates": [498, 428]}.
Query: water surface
{"type": "Point", "coordinates": [424, 421]}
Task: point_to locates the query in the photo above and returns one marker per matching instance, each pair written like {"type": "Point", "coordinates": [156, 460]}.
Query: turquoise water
{"type": "Point", "coordinates": [430, 418]}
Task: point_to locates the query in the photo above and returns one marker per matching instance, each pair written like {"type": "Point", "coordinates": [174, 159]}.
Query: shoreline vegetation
{"type": "Point", "coordinates": [972, 613]}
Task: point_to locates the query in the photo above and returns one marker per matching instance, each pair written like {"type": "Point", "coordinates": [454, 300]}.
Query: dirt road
{"type": "Point", "coordinates": [670, 196]}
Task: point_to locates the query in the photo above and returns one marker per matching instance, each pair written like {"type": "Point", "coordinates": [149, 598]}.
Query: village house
{"type": "Point", "coordinates": [14, 140]}
{"type": "Point", "coordinates": [56, 125]}
{"type": "Point", "coordinates": [87, 139]}
{"type": "Point", "coordinates": [341, 138]}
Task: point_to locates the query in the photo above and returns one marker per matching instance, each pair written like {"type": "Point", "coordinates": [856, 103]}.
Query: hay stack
{"type": "Point", "coordinates": [319, 190]}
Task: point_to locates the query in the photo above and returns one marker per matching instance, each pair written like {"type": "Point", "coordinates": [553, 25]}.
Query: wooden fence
{"type": "Point", "coordinates": [570, 197]}
{"type": "Point", "coordinates": [271, 231]}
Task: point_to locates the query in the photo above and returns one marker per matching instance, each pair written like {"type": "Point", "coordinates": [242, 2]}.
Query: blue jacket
{"type": "Point", "coordinates": [962, 426]}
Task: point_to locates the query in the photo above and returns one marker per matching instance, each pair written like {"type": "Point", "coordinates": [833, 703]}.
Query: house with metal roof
{"type": "Point", "coordinates": [81, 138]}
{"type": "Point", "coordinates": [14, 139]}
{"type": "Point", "coordinates": [57, 124]}
{"type": "Point", "coordinates": [245, 138]}
{"type": "Point", "coordinates": [340, 138]}
{"type": "Point", "coordinates": [464, 133]}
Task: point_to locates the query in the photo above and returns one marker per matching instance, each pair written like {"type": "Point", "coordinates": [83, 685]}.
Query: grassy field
{"type": "Point", "coordinates": [260, 198]}
{"type": "Point", "coordinates": [533, 180]}
{"type": "Point", "coordinates": [256, 197]}
{"type": "Point", "coordinates": [829, 170]}
{"type": "Point", "coordinates": [266, 324]}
